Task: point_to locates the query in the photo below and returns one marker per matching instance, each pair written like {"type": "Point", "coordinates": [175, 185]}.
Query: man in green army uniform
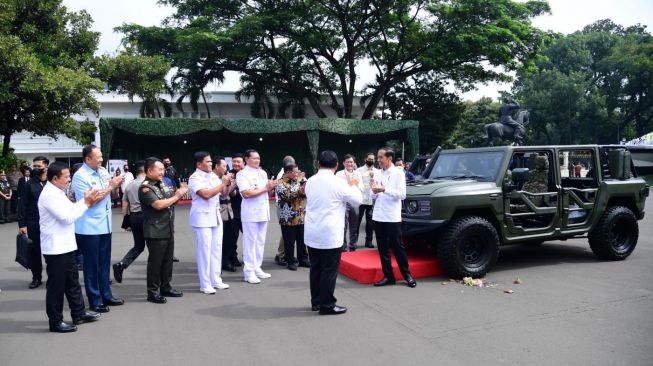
{"type": "Point", "coordinates": [157, 200]}
{"type": "Point", "coordinates": [539, 178]}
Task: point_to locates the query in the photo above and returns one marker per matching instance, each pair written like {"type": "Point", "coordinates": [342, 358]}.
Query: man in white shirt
{"type": "Point", "coordinates": [367, 171]}
{"type": "Point", "coordinates": [57, 217]}
{"type": "Point", "coordinates": [388, 190]}
{"type": "Point", "coordinates": [129, 177]}
{"type": "Point", "coordinates": [205, 188]}
{"type": "Point", "coordinates": [351, 215]}
{"type": "Point", "coordinates": [254, 187]}
{"type": "Point", "coordinates": [327, 199]}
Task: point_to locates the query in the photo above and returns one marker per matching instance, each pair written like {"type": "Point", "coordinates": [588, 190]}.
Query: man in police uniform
{"type": "Point", "coordinates": [157, 200]}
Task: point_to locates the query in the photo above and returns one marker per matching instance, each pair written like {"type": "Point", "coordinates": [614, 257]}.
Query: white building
{"type": "Point", "coordinates": [222, 104]}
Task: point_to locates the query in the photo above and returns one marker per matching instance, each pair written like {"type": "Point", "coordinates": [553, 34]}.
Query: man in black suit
{"type": "Point", "coordinates": [28, 215]}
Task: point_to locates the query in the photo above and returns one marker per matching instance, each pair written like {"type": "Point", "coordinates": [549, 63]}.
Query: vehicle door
{"type": "Point", "coordinates": [579, 173]}
{"type": "Point", "coordinates": [531, 195]}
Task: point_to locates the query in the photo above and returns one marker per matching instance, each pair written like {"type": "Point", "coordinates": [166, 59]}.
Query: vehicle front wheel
{"type": "Point", "coordinates": [615, 235]}
{"type": "Point", "coordinates": [469, 247]}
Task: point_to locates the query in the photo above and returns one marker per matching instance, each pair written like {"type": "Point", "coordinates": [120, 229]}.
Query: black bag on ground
{"type": "Point", "coordinates": [23, 250]}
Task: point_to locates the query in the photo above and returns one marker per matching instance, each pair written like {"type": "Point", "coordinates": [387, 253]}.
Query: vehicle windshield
{"type": "Point", "coordinates": [481, 166]}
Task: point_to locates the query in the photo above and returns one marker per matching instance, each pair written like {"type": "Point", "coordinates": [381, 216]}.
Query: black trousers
{"type": "Point", "coordinates": [292, 235]}
{"type": "Point", "coordinates": [63, 278]}
{"type": "Point", "coordinates": [323, 275]}
{"type": "Point", "coordinates": [35, 263]}
{"type": "Point", "coordinates": [159, 265]}
{"type": "Point", "coordinates": [136, 223]}
{"type": "Point", "coordinates": [388, 235]}
{"type": "Point", "coordinates": [229, 242]}
{"type": "Point", "coordinates": [366, 211]}
{"type": "Point", "coordinates": [4, 210]}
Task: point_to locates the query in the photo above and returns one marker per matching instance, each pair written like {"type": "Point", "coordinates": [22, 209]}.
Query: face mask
{"type": "Point", "coordinates": [36, 172]}
{"type": "Point", "coordinates": [369, 163]}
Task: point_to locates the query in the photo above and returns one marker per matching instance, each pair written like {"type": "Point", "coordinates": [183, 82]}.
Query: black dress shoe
{"type": "Point", "coordinates": [175, 259]}
{"type": "Point", "coordinates": [172, 293]}
{"type": "Point", "coordinates": [157, 299]}
{"type": "Point", "coordinates": [34, 284]}
{"type": "Point", "coordinates": [352, 249]}
{"type": "Point", "coordinates": [237, 263]}
{"type": "Point", "coordinates": [410, 281]}
{"type": "Point", "coordinates": [102, 308]}
{"type": "Point", "coordinates": [335, 310]}
{"type": "Point", "coordinates": [305, 264]}
{"type": "Point", "coordinates": [62, 327]}
{"type": "Point", "coordinates": [369, 245]}
{"type": "Point", "coordinates": [117, 271]}
{"type": "Point", "coordinates": [228, 267]}
{"type": "Point", "coordinates": [87, 317]}
{"type": "Point", "coordinates": [384, 282]}
{"type": "Point", "coordinates": [114, 301]}
{"type": "Point", "coordinates": [280, 261]}
{"type": "Point", "coordinates": [292, 266]}
{"type": "Point", "coordinates": [315, 307]}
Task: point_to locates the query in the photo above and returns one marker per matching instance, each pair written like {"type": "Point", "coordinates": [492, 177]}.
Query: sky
{"type": "Point", "coordinates": [567, 16]}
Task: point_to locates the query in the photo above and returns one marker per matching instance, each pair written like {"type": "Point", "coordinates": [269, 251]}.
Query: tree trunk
{"type": "Point", "coordinates": [316, 106]}
{"type": "Point", "coordinates": [5, 144]}
{"type": "Point", "coordinates": [374, 101]}
{"type": "Point", "coordinates": [208, 112]}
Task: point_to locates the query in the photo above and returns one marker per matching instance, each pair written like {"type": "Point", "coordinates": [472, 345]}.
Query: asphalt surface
{"type": "Point", "coordinates": [571, 309]}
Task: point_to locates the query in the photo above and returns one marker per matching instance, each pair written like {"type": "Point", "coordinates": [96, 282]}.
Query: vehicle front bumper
{"type": "Point", "coordinates": [411, 226]}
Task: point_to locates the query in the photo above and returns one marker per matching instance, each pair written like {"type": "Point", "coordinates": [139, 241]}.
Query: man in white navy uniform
{"type": "Point", "coordinates": [388, 190]}
{"type": "Point", "coordinates": [57, 217]}
{"type": "Point", "coordinates": [327, 198]}
{"type": "Point", "coordinates": [205, 188]}
{"type": "Point", "coordinates": [254, 187]}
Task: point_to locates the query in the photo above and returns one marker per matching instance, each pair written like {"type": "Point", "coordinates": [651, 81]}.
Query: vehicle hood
{"type": "Point", "coordinates": [445, 187]}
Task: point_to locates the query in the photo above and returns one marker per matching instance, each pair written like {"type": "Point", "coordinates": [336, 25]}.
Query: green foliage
{"type": "Point", "coordinates": [137, 75]}
{"type": "Point", "coordinates": [425, 100]}
{"type": "Point", "coordinates": [6, 161]}
{"type": "Point", "coordinates": [308, 50]}
{"type": "Point", "coordinates": [592, 86]}
{"type": "Point", "coordinates": [45, 52]}
{"type": "Point", "coordinates": [468, 130]}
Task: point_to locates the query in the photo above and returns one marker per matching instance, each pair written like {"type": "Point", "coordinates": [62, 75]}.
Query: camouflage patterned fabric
{"type": "Point", "coordinates": [538, 181]}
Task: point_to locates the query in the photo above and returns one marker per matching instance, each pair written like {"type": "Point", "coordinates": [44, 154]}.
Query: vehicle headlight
{"type": "Point", "coordinates": [412, 207]}
{"type": "Point", "coordinates": [418, 207]}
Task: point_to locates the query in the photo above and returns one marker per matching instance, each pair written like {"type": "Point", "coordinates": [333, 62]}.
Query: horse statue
{"type": "Point", "coordinates": [495, 132]}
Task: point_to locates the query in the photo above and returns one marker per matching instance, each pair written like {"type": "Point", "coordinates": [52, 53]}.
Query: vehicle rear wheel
{"type": "Point", "coordinates": [615, 235]}
{"type": "Point", "coordinates": [469, 247]}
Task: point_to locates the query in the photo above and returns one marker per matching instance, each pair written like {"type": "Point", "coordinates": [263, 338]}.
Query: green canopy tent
{"type": "Point", "coordinates": [137, 138]}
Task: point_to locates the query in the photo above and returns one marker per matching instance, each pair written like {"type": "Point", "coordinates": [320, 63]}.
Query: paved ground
{"type": "Point", "coordinates": [570, 310]}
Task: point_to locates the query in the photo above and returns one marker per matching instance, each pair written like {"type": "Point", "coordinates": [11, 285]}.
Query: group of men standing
{"type": "Point", "coordinates": [313, 213]}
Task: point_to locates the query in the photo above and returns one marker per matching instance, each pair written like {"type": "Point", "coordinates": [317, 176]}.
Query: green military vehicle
{"type": "Point", "coordinates": [470, 202]}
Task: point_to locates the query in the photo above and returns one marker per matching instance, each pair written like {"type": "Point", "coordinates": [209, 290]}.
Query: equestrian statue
{"type": "Point", "coordinates": [507, 127]}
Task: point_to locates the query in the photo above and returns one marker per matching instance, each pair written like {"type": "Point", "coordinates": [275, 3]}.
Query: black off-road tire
{"type": "Point", "coordinates": [615, 235]}
{"type": "Point", "coordinates": [468, 247]}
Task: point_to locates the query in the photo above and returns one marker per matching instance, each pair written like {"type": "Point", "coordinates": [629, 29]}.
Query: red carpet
{"type": "Point", "coordinates": [365, 266]}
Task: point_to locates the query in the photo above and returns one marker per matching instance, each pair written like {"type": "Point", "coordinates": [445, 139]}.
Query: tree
{"type": "Point", "coordinates": [45, 52]}
{"type": "Point", "coordinates": [310, 49]}
{"type": "Point", "coordinates": [137, 75]}
{"type": "Point", "coordinates": [426, 100]}
{"type": "Point", "coordinates": [469, 129]}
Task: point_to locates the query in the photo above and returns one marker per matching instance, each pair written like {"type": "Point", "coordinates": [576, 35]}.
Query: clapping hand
{"type": "Point", "coordinates": [272, 183]}
{"type": "Point", "coordinates": [93, 196]}
{"type": "Point", "coordinates": [116, 181]}
{"type": "Point", "coordinates": [181, 191]}
{"type": "Point", "coordinates": [377, 187]}
{"type": "Point", "coordinates": [351, 179]}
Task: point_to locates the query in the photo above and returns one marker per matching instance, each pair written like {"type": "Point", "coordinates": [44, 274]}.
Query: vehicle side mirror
{"type": "Point", "coordinates": [619, 161]}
